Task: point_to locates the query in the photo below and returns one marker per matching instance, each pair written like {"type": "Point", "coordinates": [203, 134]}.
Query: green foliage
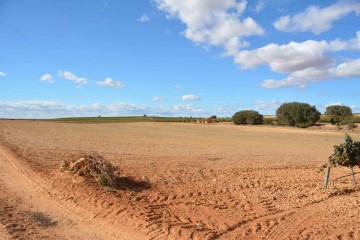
{"type": "Point", "coordinates": [102, 181]}
{"type": "Point", "coordinates": [269, 121]}
{"type": "Point", "coordinates": [346, 154]}
{"type": "Point", "coordinates": [247, 117]}
{"type": "Point", "coordinates": [338, 113]}
{"type": "Point", "coordinates": [297, 114]}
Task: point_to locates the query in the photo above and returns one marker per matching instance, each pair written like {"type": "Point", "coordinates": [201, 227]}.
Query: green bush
{"type": "Point", "coordinates": [247, 117]}
{"type": "Point", "coordinates": [338, 113]}
{"type": "Point", "coordinates": [346, 154]}
{"type": "Point", "coordinates": [269, 121]}
{"type": "Point", "coordinates": [297, 114]}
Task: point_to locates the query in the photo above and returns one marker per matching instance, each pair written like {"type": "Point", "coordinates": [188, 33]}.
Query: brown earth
{"type": "Point", "coordinates": [175, 181]}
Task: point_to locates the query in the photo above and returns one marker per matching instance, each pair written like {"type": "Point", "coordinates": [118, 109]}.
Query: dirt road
{"type": "Point", "coordinates": [176, 181]}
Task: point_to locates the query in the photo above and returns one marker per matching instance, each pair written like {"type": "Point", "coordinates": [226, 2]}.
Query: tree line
{"type": "Point", "coordinates": [297, 114]}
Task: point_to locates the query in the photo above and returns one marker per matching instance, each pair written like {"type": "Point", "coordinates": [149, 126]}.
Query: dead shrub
{"type": "Point", "coordinates": [93, 165]}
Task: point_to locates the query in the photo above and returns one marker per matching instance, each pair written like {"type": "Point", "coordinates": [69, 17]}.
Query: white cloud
{"type": "Point", "coordinates": [260, 6]}
{"type": "Point", "coordinates": [295, 55]}
{"type": "Point", "coordinates": [110, 83]}
{"type": "Point", "coordinates": [51, 109]}
{"type": "Point", "coordinates": [144, 18]}
{"type": "Point", "coordinates": [302, 78]}
{"type": "Point", "coordinates": [2, 74]}
{"type": "Point", "coordinates": [190, 97]}
{"type": "Point", "coordinates": [286, 58]}
{"type": "Point", "coordinates": [156, 99]}
{"type": "Point", "coordinates": [266, 106]}
{"type": "Point", "coordinates": [177, 87]}
{"type": "Point", "coordinates": [213, 22]}
{"type": "Point", "coordinates": [334, 104]}
{"type": "Point", "coordinates": [47, 78]}
{"type": "Point", "coordinates": [72, 77]}
{"type": "Point", "coordinates": [315, 19]}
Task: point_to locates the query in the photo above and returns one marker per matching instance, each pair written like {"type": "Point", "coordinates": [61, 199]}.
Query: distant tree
{"type": "Point", "coordinates": [297, 114]}
{"type": "Point", "coordinates": [247, 117]}
{"type": "Point", "coordinates": [213, 116]}
{"type": "Point", "coordinates": [338, 113]}
{"type": "Point", "coordinates": [144, 115]}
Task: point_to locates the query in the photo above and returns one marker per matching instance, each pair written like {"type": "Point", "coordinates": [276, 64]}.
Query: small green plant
{"type": "Point", "coordinates": [346, 154]}
{"type": "Point", "coordinates": [109, 189]}
{"type": "Point", "coordinates": [102, 181]}
{"type": "Point", "coordinates": [351, 124]}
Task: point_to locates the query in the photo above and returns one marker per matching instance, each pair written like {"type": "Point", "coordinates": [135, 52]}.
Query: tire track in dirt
{"type": "Point", "coordinates": [297, 223]}
{"type": "Point", "coordinates": [26, 191]}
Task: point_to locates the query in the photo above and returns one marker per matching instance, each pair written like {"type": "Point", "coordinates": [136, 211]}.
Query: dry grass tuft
{"type": "Point", "coordinates": [93, 165]}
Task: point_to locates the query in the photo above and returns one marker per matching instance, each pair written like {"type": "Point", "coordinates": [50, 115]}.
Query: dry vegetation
{"type": "Point", "coordinates": [180, 181]}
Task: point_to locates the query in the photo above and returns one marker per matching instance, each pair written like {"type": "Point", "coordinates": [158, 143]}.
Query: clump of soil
{"type": "Point", "coordinates": [92, 165]}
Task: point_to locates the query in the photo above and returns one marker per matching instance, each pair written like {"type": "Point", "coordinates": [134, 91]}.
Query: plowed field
{"type": "Point", "coordinates": [175, 181]}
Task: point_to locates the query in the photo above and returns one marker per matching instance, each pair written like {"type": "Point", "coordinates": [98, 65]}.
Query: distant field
{"type": "Point", "coordinates": [323, 118]}
{"type": "Point", "coordinates": [134, 119]}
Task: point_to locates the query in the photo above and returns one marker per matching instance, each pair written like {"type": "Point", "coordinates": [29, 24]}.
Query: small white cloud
{"type": "Point", "coordinates": [144, 18]}
{"type": "Point", "coordinates": [72, 77]}
{"type": "Point", "coordinates": [260, 6]}
{"type": "Point", "coordinates": [190, 97]}
{"type": "Point", "coordinates": [47, 78]}
{"type": "Point", "coordinates": [177, 87]}
{"type": "Point", "coordinates": [315, 19]}
{"type": "Point", "coordinates": [156, 99]}
{"type": "Point", "coordinates": [2, 74]}
{"type": "Point", "coordinates": [263, 105]}
{"type": "Point", "coordinates": [110, 83]}
{"type": "Point", "coordinates": [334, 104]}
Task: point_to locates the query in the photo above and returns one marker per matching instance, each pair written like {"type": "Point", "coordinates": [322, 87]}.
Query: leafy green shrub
{"type": "Point", "coordinates": [247, 117]}
{"type": "Point", "coordinates": [297, 114]}
{"type": "Point", "coordinates": [338, 113]}
{"type": "Point", "coordinates": [269, 121]}
{"type": "Point", "coordinates": [346, 154]}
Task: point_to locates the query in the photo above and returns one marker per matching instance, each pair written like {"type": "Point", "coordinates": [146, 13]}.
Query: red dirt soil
{"type": "Point", "coordinates": [175, 181]}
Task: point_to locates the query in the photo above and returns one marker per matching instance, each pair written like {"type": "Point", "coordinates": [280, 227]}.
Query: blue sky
{"type": "Point", "coordinates": [176, 57]}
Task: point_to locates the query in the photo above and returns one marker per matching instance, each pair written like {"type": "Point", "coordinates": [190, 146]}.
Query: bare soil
{"type": "Point", "coordinates": [175, 181]}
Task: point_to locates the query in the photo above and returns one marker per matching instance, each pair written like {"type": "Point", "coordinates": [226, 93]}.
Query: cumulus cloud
{"type": "Point", "coordinates": [295, 55]}
{"type": "Point", "coordinates": [72, 77]}
{"type": "Point", "coordinates": [190, 97]}
{"type": "Point", "coordinates": [213, 22]}
{"type": "Point", "coordinates": [51, 109]}
{"type": "Point", "coordinates": [302, 78]}
{"type": "Point", "coordinates": [144, 18]}
{"type": "Point", "coordinates": [315, 19]}
{"type": "Point", "coordinates": [2, 74]}
{"type": "Point", "coordinates": [110, 83]}
{"type": "Point", "coordinates": [156, 99]}
{"type": "Point", "coordinates": [177, 87]}
{"type": "Point", "coordinates": [308, 61]}
{"type": "Point", "coordinates": [47, 78]}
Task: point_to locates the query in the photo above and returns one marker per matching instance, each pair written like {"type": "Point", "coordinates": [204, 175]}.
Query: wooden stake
{"type": "Point", "coordinates": [353, 175]}
{"type": "Point", "coordinates": [326, 180]}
